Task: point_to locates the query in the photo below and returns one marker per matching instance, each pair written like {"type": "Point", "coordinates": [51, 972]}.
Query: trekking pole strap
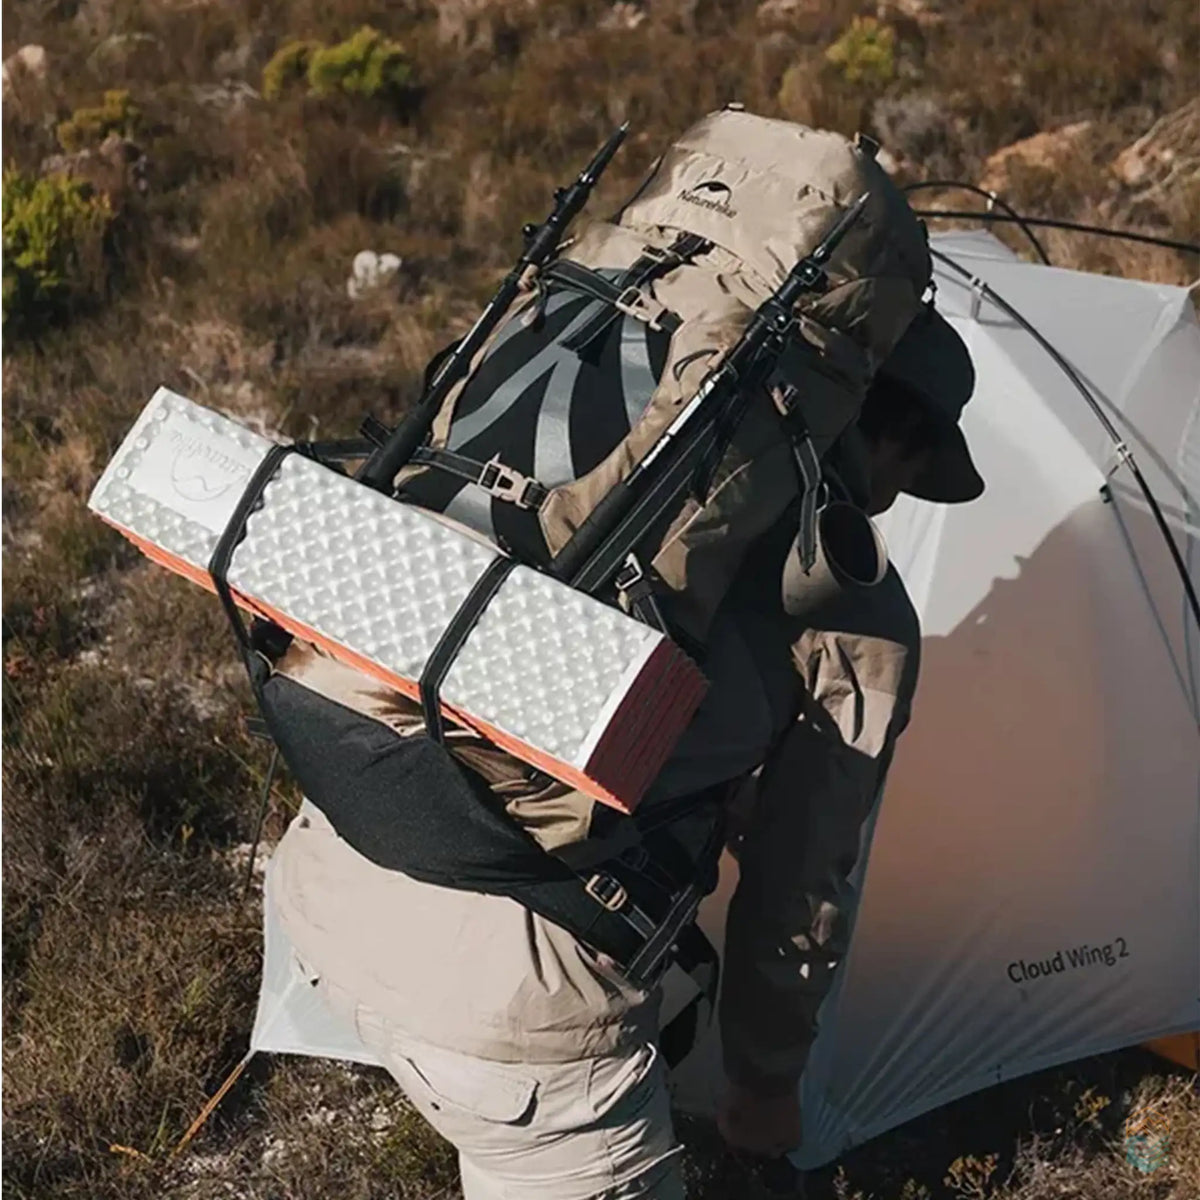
{"type": "Point", "coordinates": [640, 516]}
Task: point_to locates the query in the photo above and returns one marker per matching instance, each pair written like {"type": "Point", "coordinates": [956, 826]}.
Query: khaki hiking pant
{"type": "Point", "coordinates": [596, 1129]}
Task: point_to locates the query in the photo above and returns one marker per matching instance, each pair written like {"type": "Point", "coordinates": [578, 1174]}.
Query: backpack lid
{"type": "Point", "coordinates": [767, 190]}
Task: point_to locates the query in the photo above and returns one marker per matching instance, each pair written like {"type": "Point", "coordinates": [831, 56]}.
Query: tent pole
{"type": "Point", "coordinates": [1124, 453]}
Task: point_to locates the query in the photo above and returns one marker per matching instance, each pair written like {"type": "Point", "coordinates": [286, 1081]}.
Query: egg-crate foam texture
{"type": "Point", "coordinates": [561, 680]}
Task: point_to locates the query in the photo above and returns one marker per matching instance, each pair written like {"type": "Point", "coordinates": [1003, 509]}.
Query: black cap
{"type": "Point", "coordinates": [932, 363]}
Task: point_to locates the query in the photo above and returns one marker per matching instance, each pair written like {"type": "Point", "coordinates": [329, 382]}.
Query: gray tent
{"type": "Point", "coordinates": [1032, 891]}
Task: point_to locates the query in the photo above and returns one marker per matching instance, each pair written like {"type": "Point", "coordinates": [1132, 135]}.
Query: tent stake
{"type": "Point", "coordinates": [210, 1107]}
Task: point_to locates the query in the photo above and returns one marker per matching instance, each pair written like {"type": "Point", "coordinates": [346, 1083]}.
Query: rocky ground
{"type": "Point", "coordinates": [182, 207]}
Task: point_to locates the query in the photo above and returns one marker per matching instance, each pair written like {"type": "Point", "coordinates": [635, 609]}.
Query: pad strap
{"type": "Point", "coordinates": [453, 639]}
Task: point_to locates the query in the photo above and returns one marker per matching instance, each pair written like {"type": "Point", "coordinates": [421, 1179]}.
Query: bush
{"type": "Point", "coordinates": [289, 66]}
{"type": "Point", "coordinates": [367, 64]}
{"type": "Point", "coordinates": [54, 233]}
{"type": "Point", "coordinates": [866, 53]}
{"type": "Point", "coordinates": [90, 126]}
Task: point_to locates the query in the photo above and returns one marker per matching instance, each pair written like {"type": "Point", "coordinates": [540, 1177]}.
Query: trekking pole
{"type": "Point", "coordinates": [616, 525]}
{"type": "Point", "coordinates": [541, 241]}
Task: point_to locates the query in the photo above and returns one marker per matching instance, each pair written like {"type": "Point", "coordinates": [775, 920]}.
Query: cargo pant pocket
{"type": "Point", "coordinates": [459, 1095]}
{"type": "Point", "coordinates": [611, 1081]}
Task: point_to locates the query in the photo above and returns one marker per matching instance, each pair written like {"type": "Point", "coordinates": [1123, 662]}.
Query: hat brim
{"type": "Point", "coordinates": [932, 363]}
{"type": "Point", "coordinates": [950, 477]}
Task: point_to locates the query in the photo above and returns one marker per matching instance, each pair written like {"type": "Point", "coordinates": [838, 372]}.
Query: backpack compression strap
{"type": "Point", "coordinates": [625, 295]}
{"type": "Point", "coordinates": [500, 481]}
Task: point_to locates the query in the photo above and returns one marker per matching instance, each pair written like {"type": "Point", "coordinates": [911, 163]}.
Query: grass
{"type": "Point", "coordinates": [130, 956]}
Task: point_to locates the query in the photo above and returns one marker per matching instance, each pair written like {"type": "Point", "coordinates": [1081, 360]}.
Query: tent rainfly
{"type": "Point", "coordinates": [1031, 894]}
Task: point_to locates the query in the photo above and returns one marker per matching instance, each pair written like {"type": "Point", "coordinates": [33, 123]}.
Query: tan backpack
{"type": "Point", "coordinates": [606, 345]}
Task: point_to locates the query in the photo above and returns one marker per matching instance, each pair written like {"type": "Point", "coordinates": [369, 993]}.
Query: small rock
{"type": "Point", "coordinates": [28, 63]}
{"type": "Point", "coordinates": [1047, 151]}
{"type": "Point", "coordinates": [274, 1152]}
{"type": "Point", "coordinates": [779, 12]}
{"type": "Point", "coordinates": [623, 15]}
{"type": "Point", "coordinates": [238, 858]}
{"type": "Point", "coordinates": [476, 24]}
{"type": "Point", "coordinates": [115, 168]}
{"type": "Point", "coordinates": [1169, 151]}
{"type": "Point", "coordinates": [125, 49]}
{"type": "Point", "coordinates": [231, 95]}
{"type": "Point", "coordinates": [921, 12]}
{"type": "Point", "coordinates": [370, 271]}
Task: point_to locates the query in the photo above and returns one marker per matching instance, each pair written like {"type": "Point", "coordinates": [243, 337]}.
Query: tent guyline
{"type": "Point", "coordinates": [1124, 452]}
{"type": "Point", "coordinates": [1010, 216]}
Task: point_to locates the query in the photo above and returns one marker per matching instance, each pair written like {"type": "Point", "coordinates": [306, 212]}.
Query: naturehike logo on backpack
{"type": "Point", "coordinates": [712, 194]}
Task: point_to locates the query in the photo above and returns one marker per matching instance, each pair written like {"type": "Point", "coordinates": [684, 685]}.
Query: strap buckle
{"type": "Point", "coordinates": [507, 483]}
{"type": "Point", "coordinates": [630, 574]}
{"type": "Point", "coordinates": [659, 254]}
{"type": "Point", "coordinates": [607, 892]}
{"type": "Point", "coordinates": [635, 303]}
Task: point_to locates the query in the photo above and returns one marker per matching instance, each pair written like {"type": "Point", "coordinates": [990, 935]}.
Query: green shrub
{"type": "Point", "coordinates": [367, 64]}
{"type": "Point", "coordinates": [54, 231]}
{"type": "Point", "coordinates": [90, 126]}
{"type": "Point", "coordinates": [866, 53]}
{"type": "Point", "coordinates": [288, 66]}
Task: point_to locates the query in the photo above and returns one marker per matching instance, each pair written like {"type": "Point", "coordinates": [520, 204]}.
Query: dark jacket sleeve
{"type": "Point", "coordinates": [790, 918]}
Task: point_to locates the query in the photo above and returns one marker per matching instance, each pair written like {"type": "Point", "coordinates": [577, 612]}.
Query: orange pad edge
{"type": "Point", "coordinates": [564, 772]}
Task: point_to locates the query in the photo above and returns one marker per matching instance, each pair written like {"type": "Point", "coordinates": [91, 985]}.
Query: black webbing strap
{"type": "Point", "coordinates": [584, 280]}
{"type": "Point", "coordinates": [503, 482]}
{"type": "Point", "coordinates": [634, 584]}
{"type": "Point", "coordinates": [374, 430]}
{"type": "Point", "coordinates": [658, 949]}
{"type": "Point", "coordinates": [231, 536]}
{"type": "Point", "coordinates": [452, 640]}
{"type": "Point", "coordinates": [343, 450]}
{"type": "Point", "coordinates": [696, 955]}
{"type": "Point", "coordinates": [808, 465]}
{"type": "Point", "coordinates": [235, 530]}
{"type": "Point", "coordinates": [566, 903]}
{"type": "Point", "coordinates": [651, 265]}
